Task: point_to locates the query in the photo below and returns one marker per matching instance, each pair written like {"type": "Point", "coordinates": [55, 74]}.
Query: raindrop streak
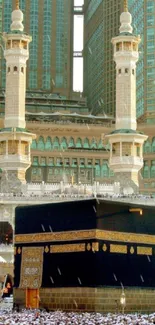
{"type": "Point", "coordinates": [97, 201]}
{"type": "Point", "coordinates": [90, 51]}
{"type": "Point", "coordinates": [53, 82]}
{"type": "Point", "coordinates": [51, 279]}
{"type": "Point", "coordinates": [88, 127]}
{"type": "Point", "coordinates": [43, 228]}
{"type": "Point", "coordinates": [115, 276]}
{"type": "Point", "coordinates": [49, 38]}
{"type": "Point", "coordinates": [94, 208]}
{"type": "Point", "coordinates": [93, 250]}
{"type": "Point", "coordinates": [75, 303]}
{"type": "Point", "coordinates": [122, 285]}
{"type": "Point", "coordinates": [142, 278]}
{"type": "Point", "coordinates": [79, 281]}
{"type": "Point", "coordinates": [50, 228]}
{"type": "Point", "coordinates": [59, 271]}
{"type": "Point", "coordinates": [148, 257]}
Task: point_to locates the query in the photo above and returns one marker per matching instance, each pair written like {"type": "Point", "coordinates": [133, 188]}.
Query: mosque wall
{"type": "Point", "coordinates": [81, 151]}
{"type": "Point", "coordinates": [92, 299]}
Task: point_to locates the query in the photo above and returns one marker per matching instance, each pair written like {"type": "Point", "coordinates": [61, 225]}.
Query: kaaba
{"type": "Point", "coordinates": [81, 255]}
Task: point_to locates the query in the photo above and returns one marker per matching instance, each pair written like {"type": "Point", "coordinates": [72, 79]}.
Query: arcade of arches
{"type": "Point", "coordinates": [73, 151]}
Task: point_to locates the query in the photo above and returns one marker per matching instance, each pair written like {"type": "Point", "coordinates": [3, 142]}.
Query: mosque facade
{"type": "Point", "coordinates": [64, 255]}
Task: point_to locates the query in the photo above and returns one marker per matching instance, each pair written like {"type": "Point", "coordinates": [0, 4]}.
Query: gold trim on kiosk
{"type": "Point", "coordinates": [136, 210]}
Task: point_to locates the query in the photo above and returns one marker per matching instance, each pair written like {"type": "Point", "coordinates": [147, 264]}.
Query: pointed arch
{"type": "Point", "coordinates": [71, 142]}
{"type": "Point", "coordinates": [56, 143]}
{"type": "Point", "coordinates": [64, 144]}
{"type": "Point", "coordinates": [146, 170]}
{"type": "Point", "coordinates": [153, 144]}
{"type": "Point", "coordinates": [147, 146]}
{"type": "Point", "coordinates": [105, 169]}
{"type": "Point", "coordinates": [79, 143]}
{"type": "Point", "coordinates": [152, 172]}
{"type": "Point", "coordinates": [41, 144]}
{"type": "Point", "coordinates": [86, 143]}
{"type": "Point", "coordinates": [34, 144]}
{"type": "Point", "coordinates": [100, 144]}
{"type": "Point", "coordinates": [48, 144]}
{"type": "Point", "coordinates": [93, 144]}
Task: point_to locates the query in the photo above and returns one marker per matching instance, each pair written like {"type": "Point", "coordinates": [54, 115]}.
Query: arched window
{"type": "Point", "coordinates": [35, 161]}
{"type": "Point", "coordinates": [146, 170]}
{"type": "Point", "coordinates": [97, 171]}
{"type": "Point", "coordinates": [86, 143]}
{"type": "Point", "coordinates": [105, 169]}
{"type": "Point", "coordinates": [48, 144]}
{"type": "Point", "coordinates": [34, 144]}
{"type": "Point", "coordinates": [78, 143]}
{"type": "Point", "coordinates": [93, 144]}
{"type": "Point", "coordinates": [71, 142]}
{"type": "Point", "coordinates": [100, 144]}
{"type": "Point", "coordinates": [147, 147]}
{"type": "Point", "coordinates": [56, 144]}
{"type": "Point", "coordinates": [9, 69]}
{"type": "Point", "coordinates": [15, 69]}
{"type": "Point", "coordinates": [22, 70]}
{"type": "Point", "coordinates": [41, 144]}
{"type": "Point", "coordinates": [153, 145]}
{"type": "Point", "coordinates": [152, 169]}
{"type": "Point", "coordinates": [64, 143]}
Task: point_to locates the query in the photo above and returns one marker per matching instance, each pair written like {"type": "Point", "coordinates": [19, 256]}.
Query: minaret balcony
{"type": "Point", "coordinates": [126, 162]}
{"type": "Point", "coordinates": [26, 159]}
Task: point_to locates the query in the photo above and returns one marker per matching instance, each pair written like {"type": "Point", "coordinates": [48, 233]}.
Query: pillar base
{"type": "Point", "coordinates": [12, 181]}
{"type": "Point", "coordinates": [128, 182]}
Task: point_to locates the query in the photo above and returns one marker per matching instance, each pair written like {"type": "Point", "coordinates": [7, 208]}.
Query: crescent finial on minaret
{"type": "Point", "coordinates": [17, 4]}
{"type": "Point", "coordinates": [125, 5]}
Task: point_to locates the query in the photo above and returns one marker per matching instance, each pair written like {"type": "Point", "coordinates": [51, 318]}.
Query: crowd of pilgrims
{"type": "Point", "coordinates": [28, 317]}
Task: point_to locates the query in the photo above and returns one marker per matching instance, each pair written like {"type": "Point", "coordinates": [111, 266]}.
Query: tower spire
{"type": "Point", "coordinates": [126, 143]}
{"type": "Point", "coordinates": [16, 156]}
{"type": "Point", "coordinates": [17, 4]}
{"type": "Point", "coordinates": [125, 5]}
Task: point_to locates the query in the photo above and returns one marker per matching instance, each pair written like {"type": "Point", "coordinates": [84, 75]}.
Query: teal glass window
{"type": "Point", "coordinates": [146, 170]}
{"type": "Point", "coordinates": [48, 144]}
{"type": "Point", "coordinates": [153, 145]}
{"type": "Point", "coordinates": [86, 143]}
{"type": "Point", "coordinates": [56, 144]}
{"type": "Point", "coordinates": [34, 144]}
{"type": "Point", "coordinates": [64, 143]}
{"type": "Point", "coordinates": [147, 147]}
{"type": "Point", "coordinates": [93, 144]}
{"type": "Point", "coordinates": [50, 161]}
{"type": "Point", "coordinates": [152, 169]}
{"type": "Point", "coordinates": [43, 161]}
{"type": "Point", "coordinates": [41, 144]}
{"type": "Point", "coordinates": [78, 143]}
{"type": "Point", "coordinates": [71, 142]}
{"type": "Point", "coordinates": [35, 161]}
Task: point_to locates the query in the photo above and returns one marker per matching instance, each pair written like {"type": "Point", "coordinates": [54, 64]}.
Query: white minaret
{"type": "Point", "coordinates": [15, 140]}
{"type": "Point", "coordinates": [126, 155]}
